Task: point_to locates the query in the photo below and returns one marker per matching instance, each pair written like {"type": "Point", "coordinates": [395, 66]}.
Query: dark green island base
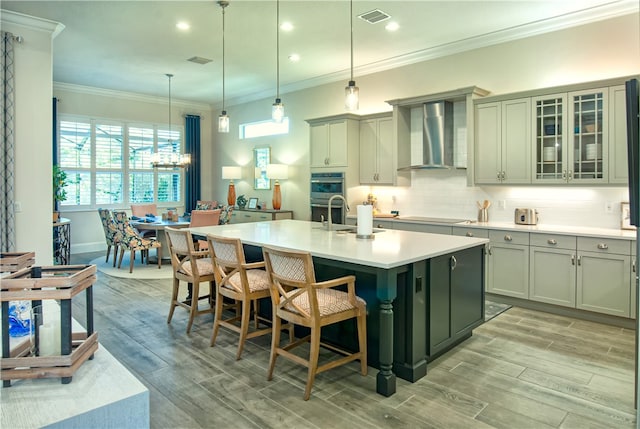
{"type": "Point", "coordinates": [415, 312]}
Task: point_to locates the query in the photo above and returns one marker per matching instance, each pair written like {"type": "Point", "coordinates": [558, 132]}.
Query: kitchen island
{"type": "Point", "coordinates": [424, 292]}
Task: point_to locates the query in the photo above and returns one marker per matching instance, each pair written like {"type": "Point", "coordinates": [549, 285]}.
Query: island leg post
{"type": "Point", "coordinates": [386, 290]}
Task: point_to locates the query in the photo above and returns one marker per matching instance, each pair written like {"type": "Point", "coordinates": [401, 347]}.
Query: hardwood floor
{"type": "Point", "coordinates": [522, 369]}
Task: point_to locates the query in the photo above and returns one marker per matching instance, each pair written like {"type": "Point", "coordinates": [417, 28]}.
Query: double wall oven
{"type": "Point", "coordinates": [323, 187]}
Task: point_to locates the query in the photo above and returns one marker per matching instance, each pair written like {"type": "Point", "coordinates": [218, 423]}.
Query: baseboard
{"type": "Point", "coordinates": [591, 316]}
{"type": "Point", "coordinates": [88, 247]}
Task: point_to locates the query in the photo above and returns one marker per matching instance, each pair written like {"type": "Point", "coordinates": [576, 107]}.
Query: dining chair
{"type": "Point", "coordinates": [297, 298]}
{"type": "Point", "coordinates": [111, 234]}
{"type": "Point", "coordinates": [240, 281]}
{"type": "Point", "coordinates": [142, 210]}
{"type": "Point", "coordinates": [129, 239]}
{"type": "Point", "coordinates": [193, 267]}
{"type": "Point", "coordinates": [204, 218]}
{"type": "Point", "coordinates": [206, 205]}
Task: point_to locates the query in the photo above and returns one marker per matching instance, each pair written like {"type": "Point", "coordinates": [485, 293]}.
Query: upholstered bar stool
{"type": "Point", "coordinates": [190, 266]}
{"type": "Point", "coordinates": [240, 281]}
{"type": "Point", "coordinates": [299, 299]}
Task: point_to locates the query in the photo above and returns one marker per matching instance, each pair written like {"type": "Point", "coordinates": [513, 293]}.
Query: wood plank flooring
{"type": "Point", "coordinates": [522, 369]}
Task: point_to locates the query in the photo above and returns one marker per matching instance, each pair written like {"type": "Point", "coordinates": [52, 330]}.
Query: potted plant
{"type": "Point", "coordinates": [59, 192]}
{"type": "Point", "coordinates": [242, 202]}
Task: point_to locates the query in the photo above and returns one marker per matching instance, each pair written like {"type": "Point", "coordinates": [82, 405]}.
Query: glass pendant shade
{"type": "Point", "coordinates": [223, 122]}
{"type": "Point", "coordinates": [351, 98]}
{"type": "Point", "coordinates": [277, 111]}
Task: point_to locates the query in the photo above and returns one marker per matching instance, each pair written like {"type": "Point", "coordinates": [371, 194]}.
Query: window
{"type": "Point", "coordinates": [109, 163]}
{"type": "Point", "coordinates": [264, 128]}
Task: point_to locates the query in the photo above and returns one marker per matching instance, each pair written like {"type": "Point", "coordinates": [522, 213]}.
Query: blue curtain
{"type": "Point", "coordinates": [192, 146]}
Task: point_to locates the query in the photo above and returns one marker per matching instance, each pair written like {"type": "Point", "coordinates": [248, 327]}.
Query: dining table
{"type": "Point", "coordinates": [157, 224]}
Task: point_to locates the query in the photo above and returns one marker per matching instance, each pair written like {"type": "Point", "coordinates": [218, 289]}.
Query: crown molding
{"type": "Point", "coordinates": [132, 96]}
{"type": "Point", "coordinates": [31, 22]}
{"type": "Point", "coordinates": [598, 13]}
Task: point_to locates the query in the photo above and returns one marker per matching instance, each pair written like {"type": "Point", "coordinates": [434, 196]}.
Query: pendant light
{"type": "Point", "coordinates": [172, 160]}
{"type": "Point", "coordinates": [223, 119]}
{"type": "Point", "coordinates": [277, 109]}
{"type": "Point", "coordinates": [351, 102]}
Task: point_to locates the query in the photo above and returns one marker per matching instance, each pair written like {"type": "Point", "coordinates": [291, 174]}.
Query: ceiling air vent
{"type": "Point", "coordinates": [199, 60]}
{"type": "Point", "coordinates": [374, 16]}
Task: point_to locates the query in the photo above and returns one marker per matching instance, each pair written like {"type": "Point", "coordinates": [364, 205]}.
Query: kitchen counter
{"type": "Point", "coordinates": [541, 227]}
{"type": "Point", "coordinates": [424, 292]}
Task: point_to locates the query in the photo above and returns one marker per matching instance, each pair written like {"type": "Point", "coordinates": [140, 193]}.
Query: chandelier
{"type": "Point", "coordinates": [170, 160]}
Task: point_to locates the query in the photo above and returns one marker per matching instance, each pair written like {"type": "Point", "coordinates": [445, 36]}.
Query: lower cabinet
{"type": "Point", "coordinates": [455, 297]}
{"type": "Point", "coordinates": [581, 272]}
{"type": "Point", "coordinates": [423, 227]}
{"type": "Point", "coordinates": [244, 216]}
{"type": "Point", "coordinates": [508, 263]}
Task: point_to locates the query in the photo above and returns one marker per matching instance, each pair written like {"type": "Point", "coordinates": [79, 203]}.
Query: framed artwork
{"type": "Point", "coordinates": [625, 216]}
{"type": "Point", "coordinates": [261, 158]}
{"type": "Point", "coordinates": [253, 203]}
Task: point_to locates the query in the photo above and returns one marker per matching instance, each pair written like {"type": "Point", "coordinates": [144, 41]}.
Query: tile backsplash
{"type": "Point", "coordinates": [444, 193]}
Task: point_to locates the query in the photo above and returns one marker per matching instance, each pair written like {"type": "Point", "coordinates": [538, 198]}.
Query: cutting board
{"type": "Point", "coordinates": [384, 215]}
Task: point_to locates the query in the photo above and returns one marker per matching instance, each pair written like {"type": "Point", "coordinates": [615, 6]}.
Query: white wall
{"type": "Point", "coordinates": [86, 229]}
{"type": "Point", "coordinates": [33, 133]}
{"type": "Point", "coordinates": [596, 51]}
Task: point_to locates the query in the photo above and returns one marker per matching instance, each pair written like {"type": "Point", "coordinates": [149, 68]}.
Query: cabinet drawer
{"type": "Point", "coordinates": [510, 237]}
{"type": "Point", "coordinates": [555, 241]}
{"type": "Point", "coordinates": [470, 232]}
{"type": "Point", "coordinates": [604, 245]}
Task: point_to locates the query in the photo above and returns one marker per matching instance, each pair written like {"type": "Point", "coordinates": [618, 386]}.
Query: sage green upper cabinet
{"type": "Point", "coordinates": [377, 166]}
{"type": "Point", "coordinates": [571, 137]}
{"type": "Point", "coordinates": [503, 136]}
{"type": "Point", "coordinates": [618, 168]}
{"type": "Point", "coordinates": [333, 140]}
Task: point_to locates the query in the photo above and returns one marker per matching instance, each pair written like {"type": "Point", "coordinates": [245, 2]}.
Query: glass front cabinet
{"type": "Point", "coordinates": [570, 137]}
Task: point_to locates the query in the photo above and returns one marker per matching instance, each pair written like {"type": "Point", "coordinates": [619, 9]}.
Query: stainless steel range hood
{"type": "Point", "coordinates": [435, 150]}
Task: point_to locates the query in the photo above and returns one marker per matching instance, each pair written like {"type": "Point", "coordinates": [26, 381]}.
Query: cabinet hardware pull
{"type": "Point", "coordinates": [573, 259]}
{"type": "Point", "coordinates": [508, 238]}
{"type": "Point", "coordinates": [633, 266]}
{"type": "Point", "coordinates": [489, 250]}
{"type": "Point", "coordinates": [504, 176]}
{"type": "Point", "coordinates": [564, 174]}
{"type": "Point", "coordinates": [469, 234]}
{"type": "Point", "coordinates": [499, 175]}
{"type": "Point", "coordinates": [603, 246]}
{"type": "Point", "coordinates": [552, 241]}
{"type": "Point", "coordinates": [454, 263]}
{"type": "Point", "coordinates": [579, 260]}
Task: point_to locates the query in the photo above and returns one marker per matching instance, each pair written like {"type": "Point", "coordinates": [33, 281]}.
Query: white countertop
{"type": "Point", "coordinates": [389, 248]}
{"type": "Point", "coordinates": [540, 228]}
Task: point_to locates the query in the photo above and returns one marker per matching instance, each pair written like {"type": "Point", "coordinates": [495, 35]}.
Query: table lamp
{"type": "Point", "coordinates": [277, 172]}
{"type": "Point", "coordinates": [230, 173]}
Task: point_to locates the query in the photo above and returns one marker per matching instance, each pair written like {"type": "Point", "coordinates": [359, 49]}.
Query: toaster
{"type": "Point", "coordinates": [526, 216]}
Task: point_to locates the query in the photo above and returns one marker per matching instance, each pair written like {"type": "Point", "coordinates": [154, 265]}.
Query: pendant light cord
{"type": "Point", "coordinates": [277, 48]}
{"type": "Point", "coordinates": [351, 25]}
{"type": "Point", "coordinates": [169, 75]}
{"type": "Point", "coordinates": [223, 94]}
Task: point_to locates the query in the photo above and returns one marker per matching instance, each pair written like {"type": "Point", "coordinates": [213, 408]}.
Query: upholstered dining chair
{"type": "Point", "coordinates": [141, 210]}
{"type": "Point", "coordinates": [206, 205]}
{"type": "Point", "coordinates": [299, 299]}
{"type": "Point", "coordinates": [204, 218]}
{"type": "Point", "coordinates": [111, 234]}
{"type": "Point", "coordinates": [129, 239]}
{"type": "Point", "coordinates": [240, 281]}
{"type": "Point", "coordinates": [193, 267]}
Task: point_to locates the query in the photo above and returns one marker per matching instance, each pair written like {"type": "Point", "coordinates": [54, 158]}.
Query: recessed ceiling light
{"type": "Point", "coordinates": [392, 26]}
{"type": "Point", "coordinates": [294, 58]}
{"type": "Point", "coordinates": [182, 25]}
{"type": "Point", "coordinates": [286, 26]}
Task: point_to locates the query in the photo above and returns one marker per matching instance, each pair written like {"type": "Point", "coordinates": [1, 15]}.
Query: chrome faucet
{"type": "Point", "coordinates": [329, 209]}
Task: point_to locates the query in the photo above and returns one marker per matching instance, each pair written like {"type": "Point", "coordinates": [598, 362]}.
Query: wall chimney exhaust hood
{"type": "Point", "coordinates": [431, 136]}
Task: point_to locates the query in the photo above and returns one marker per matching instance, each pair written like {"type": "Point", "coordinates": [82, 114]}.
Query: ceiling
{"type": "Point", "coordinates": [131, 45]}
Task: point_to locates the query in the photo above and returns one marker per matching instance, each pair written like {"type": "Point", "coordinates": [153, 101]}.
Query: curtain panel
{"type": "Point", "coordinates": [192, 146]}
{"type": "Point", "coordinates": [7, 154]}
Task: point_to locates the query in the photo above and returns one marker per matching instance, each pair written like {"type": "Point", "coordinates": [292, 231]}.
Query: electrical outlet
{"type": "Point", "coordinates": [608, 207]}
{"type": "Point", "coordinates": [502, 204]}
{"type": "Point", "coordinates": [17, 206]}
{"type": "Point", "coordinates": [393, 199]}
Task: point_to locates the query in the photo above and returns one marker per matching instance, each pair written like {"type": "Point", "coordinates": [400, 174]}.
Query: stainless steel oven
{"type": "Point", "coordinates": [323, 187]}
